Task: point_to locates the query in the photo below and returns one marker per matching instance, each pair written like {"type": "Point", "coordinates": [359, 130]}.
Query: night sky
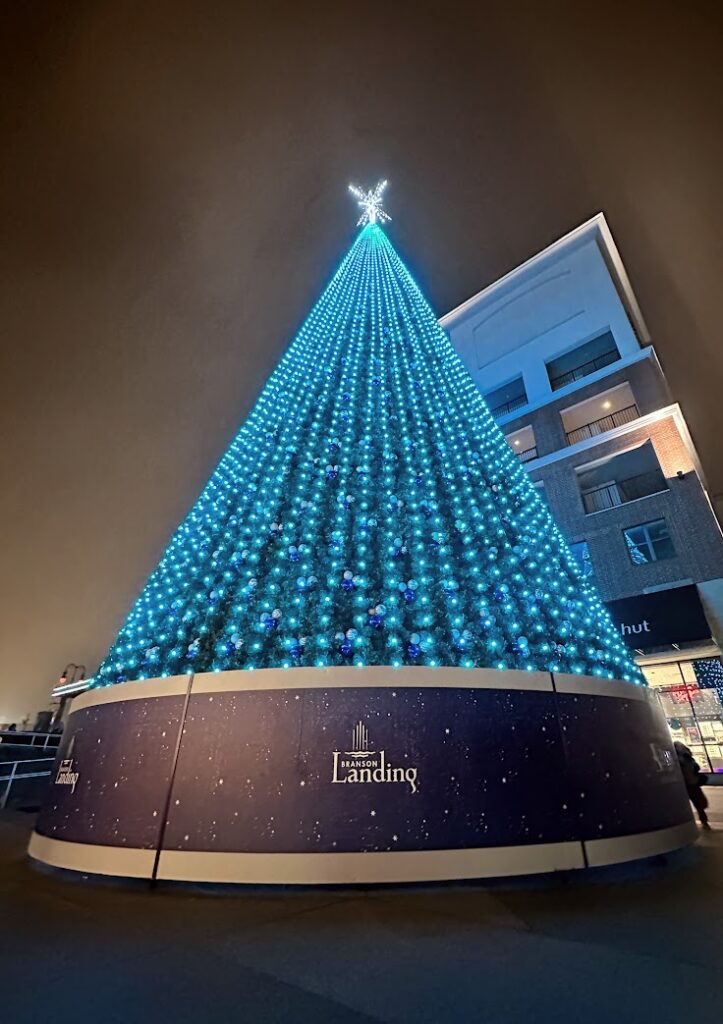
{"type": "Point", "coordinates": [174, 198]}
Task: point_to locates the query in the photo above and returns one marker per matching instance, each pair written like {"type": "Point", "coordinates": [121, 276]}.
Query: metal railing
{"type": "Point", "coordinates": [584, 369]}
{"type": "Point", "coordinates": [528, 454]}
{"type": "Point", "coordinates": [41, 740]}
{"type": "Point", "coordinates": [505, 407]}
{"type": "Point", "coordinates": [595, 427]}
{"type": "Point", "coordinates": [621, 491]}
{"type": "Point", "coordinates": [18, 771]}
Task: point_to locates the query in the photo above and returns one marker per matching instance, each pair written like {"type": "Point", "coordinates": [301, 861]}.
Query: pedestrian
{"type": "Point", "coordinates": [694, 779]}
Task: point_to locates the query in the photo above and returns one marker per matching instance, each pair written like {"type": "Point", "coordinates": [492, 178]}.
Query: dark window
{"type": "Point", "coordinates": [507, 398]}
{"type": "Point", "coordinates": [649, 542]}
{"type": "Point", "coordinates": [582, 361]}
{"type": "Point", "coordinates": [581, 553]}
{"type": "Point", "coordinates": [625, 477]}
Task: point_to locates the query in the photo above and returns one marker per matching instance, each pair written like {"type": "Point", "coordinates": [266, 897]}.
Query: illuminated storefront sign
{"type": "Point", "coordinates": [665, 617]}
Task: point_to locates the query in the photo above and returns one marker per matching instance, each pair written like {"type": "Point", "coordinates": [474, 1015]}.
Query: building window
{"type": "Point", "coordinates": [649, 542]}
{"type": "Point", "coordinates": [600, 413]}
{"type": "Point", "coordinates": [581, 554]}
{"type": "Point", "coordinates": [507, 398]}
{"type": "Point", "coordinates": [522, 443]}
{"type": "Point", "coordinates": [626, 477]}
{"type": "Point", "coordinates": [582, 361]}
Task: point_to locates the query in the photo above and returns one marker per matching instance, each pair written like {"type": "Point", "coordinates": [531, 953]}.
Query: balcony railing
{"type": "Point", "coordinates": [528, 454]}
{"type": "Point", "coordinates": [514, 403]}
{"type": "Point", "coordinates": [584, 369]}
{"type": "Point", "coordinates": [621, 491]}
{"type": "Point", "coordinates": [615, 419]}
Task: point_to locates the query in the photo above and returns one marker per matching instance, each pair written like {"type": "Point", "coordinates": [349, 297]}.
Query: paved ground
{"type": "Point", "coordinates": [644, 944]}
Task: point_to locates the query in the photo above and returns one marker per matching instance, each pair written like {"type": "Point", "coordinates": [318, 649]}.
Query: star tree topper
{"type": "Point", "coordinates": [371, 204]}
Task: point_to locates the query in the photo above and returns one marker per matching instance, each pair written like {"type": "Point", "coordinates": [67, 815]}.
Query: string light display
{"type": "Point", "coordinates": [709, 675]}
{"type": "Point", "coordinates": [369, 512]}
{"type": "Point", "coordinates": [371, 204]}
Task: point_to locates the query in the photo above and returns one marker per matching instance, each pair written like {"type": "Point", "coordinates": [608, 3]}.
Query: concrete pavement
{"type": "Point", "coordinates": [642, 943]}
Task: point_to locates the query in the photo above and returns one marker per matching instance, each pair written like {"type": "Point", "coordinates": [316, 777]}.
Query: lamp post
{"type": "Point", "coordinates": [67, 688]}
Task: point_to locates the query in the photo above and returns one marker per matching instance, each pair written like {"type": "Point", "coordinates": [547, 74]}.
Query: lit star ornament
{"type": "Point", "coordinates": [371, 204]}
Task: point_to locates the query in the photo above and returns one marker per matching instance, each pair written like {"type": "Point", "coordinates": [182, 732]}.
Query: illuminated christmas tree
{"type": "Point", "coordinates": [369, 512]}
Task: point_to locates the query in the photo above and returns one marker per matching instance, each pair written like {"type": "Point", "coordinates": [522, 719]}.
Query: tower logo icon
{"type": "Point", "coordinates": [362, 765]}
{"type": "Point", "coordinates": [359, 742]}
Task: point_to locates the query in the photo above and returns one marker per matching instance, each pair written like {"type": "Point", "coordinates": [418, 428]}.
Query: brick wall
{"type": "Point", "coordinates": [692, 526]}
{"type": "Point", "coordinates": [648, 385]}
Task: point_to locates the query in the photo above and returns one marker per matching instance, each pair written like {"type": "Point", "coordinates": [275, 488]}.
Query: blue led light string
{"type": "Point", "coordinates": [541, 520]}
{"type": "Point", "coordinates": [451, 469]}
{"type": "Point", "coordinates": [519, 523]}
{"type": "Point", "coordinates": [430, 629]}
{"type": "Point", "coordinates": [369, 511]}
{"type": "Point", "coordinates": [185, 553]}
{"type": "Point", "coordinates": [457, 459]}
{"type": "Point", "coordinates": [263, 602]}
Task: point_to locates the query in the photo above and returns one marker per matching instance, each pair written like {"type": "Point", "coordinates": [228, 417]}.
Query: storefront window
{"type": "Point", "coordinates": [691, 693]}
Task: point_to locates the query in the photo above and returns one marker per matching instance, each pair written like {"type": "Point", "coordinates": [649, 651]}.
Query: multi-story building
{"type": "Point", "coordinates": [560, 348]}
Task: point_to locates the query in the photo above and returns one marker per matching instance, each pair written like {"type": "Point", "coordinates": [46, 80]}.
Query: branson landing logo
{"type": "Point", "coordinates": [362, 765]}
{"type": "Point", "coordinates": [66, 775]}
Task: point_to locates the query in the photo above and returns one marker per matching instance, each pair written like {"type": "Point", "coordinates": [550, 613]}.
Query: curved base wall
{"type": "Point", "coordinates": [347, 775]}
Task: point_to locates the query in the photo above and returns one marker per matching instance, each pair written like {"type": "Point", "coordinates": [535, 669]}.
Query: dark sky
{"type": "Point", "coordinates": [173, 199]}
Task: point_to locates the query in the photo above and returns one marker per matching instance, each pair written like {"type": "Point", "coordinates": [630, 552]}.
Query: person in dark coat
{"type": "Point", "coordinates": [693, 779]}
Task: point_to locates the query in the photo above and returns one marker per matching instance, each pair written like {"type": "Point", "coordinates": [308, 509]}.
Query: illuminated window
{"type": "Point", "coordinates": [649, 542]}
